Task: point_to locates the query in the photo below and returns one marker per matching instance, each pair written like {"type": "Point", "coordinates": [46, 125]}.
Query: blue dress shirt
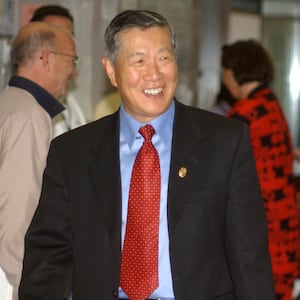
{"type": "Point", "coordinates": [130, 143]}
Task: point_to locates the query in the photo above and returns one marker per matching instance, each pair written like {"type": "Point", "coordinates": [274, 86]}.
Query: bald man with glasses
{"type": "Point", "coordinates": [73, 115]}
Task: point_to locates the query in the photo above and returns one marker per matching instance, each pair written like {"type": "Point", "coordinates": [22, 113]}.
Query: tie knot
{"type": "Point", "coordinates": [147, 132]}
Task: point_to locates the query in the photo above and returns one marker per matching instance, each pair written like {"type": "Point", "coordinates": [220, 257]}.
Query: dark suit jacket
{"type": "Point", "coordinates": [216, 218]}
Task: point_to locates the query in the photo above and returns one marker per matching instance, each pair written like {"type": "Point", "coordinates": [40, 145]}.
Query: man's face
{"type": "Point", "coordinates": [63, 66]}
{"type": "Point", "coordinates": [145, 72]}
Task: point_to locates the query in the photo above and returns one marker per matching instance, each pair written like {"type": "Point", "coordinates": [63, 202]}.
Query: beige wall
{"type": "Point", "coordinates": [244, 26]}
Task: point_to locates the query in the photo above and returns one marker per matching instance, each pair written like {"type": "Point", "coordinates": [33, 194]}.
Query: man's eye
{"type": "Point", "coordinates": [165, 58]}
{"type": "Point", "coordinates": [139, 61]}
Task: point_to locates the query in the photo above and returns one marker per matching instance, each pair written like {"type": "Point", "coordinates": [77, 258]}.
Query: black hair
{"type": "Point", "coordinates": [51, 10]}
{"type": "Point", "coordinates": [133, 19]}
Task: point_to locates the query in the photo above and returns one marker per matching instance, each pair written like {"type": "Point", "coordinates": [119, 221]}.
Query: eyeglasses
{"type": "Point", "coordinates": [75, 58]}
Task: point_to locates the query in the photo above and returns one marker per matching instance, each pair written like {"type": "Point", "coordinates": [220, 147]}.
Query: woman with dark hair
{"type": "Point", "coordinates": [247, 73]}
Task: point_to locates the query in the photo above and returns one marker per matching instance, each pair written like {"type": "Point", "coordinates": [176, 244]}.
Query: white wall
{"type": "Point", "coordinates": [243, 26]}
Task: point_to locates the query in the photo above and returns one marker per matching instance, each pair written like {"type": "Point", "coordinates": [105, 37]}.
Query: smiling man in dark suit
{"type": "Point", "coordinates": [212, 235]}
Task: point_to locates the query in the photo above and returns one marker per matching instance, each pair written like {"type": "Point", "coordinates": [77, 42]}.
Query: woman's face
{"type": "Point", "coordinates": [230, 82]}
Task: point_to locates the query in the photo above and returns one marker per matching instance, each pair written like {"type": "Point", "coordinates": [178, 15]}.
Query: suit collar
{"type": "Point", "coordinates": [52, 106]}
{"type": "Point", "coordinates": [105, 177]}
{"type": "Point", "coordinates": [107, 133]}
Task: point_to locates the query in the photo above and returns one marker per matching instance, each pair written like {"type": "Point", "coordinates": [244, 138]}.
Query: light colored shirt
{"type": "Point", "coordinates": [25, 135]}
{"type": "Point", "coordinates": [72, 117]}
{"type": "Point", "coordinates": [130, 143]}
{"type": "Point", "coordinates": [107, 105]}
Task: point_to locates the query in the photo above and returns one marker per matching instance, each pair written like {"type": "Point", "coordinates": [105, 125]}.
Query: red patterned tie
{"type": "Point", "coordinates": [139, 267]}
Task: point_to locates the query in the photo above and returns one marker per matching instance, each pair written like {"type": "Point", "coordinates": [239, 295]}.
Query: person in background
{"type": "Point", "coordinates": [107, 105]}
{"type": "Point", "coordinates": [72, 116]}
{"type": "Point", "coordinates": [44, 58]}
{"type": "Point", "coordinates": [56, 14]}
{"type": "Point", "coordinates": [224, 101]}
{"type": "Point", "coordinates": [247, 73]}
{"type": "Point", "coordinates": [202, 203]}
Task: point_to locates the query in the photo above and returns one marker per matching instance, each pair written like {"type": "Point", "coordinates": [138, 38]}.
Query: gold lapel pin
{"type": "Point", "coordinates": [182, 172]}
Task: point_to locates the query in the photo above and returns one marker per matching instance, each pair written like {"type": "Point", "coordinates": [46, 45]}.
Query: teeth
{"type": "Point", "coordinates": [153, 91]}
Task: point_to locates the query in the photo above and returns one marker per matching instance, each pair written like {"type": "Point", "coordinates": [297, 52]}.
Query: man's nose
{"type": "Point", "coordinates": [153, 72]}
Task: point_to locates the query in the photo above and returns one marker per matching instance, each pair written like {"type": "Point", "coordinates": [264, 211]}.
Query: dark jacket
{"type": "Point", "coordinates": [216, 218]}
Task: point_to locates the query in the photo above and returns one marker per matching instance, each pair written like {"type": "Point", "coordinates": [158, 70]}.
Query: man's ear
{"type": "Point", "coordinates": [110, 70]}
{"type": "Point", "coordinates": [45, 59]}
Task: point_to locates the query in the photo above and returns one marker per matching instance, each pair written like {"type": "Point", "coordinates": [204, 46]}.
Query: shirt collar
{"type": "Point", "coordinates": [163, 125]}
{"type": "Point", "coordinates": [46, 100]}
{"type": "Point", "coordinates": [257, 89]}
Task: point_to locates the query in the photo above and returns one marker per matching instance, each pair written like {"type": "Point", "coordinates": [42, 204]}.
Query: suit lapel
{"type": "Point", "coordinates": [187, 150]}
{"type": "Point", "coordinates": [105, 177]}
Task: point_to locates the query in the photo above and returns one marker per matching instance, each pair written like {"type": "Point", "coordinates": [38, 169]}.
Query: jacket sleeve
{"type": "Point", "coordinates": [246, 227]}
